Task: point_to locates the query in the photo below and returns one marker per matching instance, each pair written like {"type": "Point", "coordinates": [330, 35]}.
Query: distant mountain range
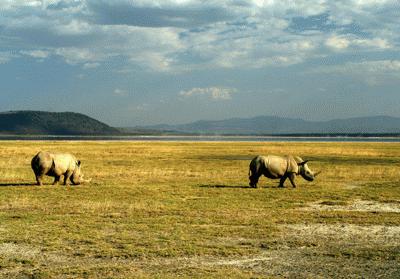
{"type": "Point", "coordinates": [272, 125]}
{"type": "Point", "coordinates": [52, 123]}
{"type": "Point", "coordinates": [70, 123]}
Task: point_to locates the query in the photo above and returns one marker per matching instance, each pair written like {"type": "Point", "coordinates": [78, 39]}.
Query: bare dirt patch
{"type": "Point", "coordinates": [312, 251]}
{"type": "Point", "coordinates": [349, 233]}
{"type": "Point", "coordinates": [11, 250]}
{"type": "Point", "coordinates": [357, 205]}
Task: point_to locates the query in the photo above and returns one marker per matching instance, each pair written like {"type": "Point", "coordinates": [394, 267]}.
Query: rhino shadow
{"type": "Point", "coordinates": [15, 184]}
{"type": "Point", "coordinates": [241, 186]}
{"type": "Point", "coordinates": [223, 186]}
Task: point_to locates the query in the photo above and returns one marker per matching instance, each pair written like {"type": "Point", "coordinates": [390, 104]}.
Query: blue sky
{"type": "Point", "coordinates": [130, 63]}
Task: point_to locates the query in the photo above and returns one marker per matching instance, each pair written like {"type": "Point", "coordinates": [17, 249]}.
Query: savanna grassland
{"type": "Point", "coordinates": [169, 209]}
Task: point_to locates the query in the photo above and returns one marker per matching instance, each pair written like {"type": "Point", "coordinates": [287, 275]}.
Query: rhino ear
{"type": "Point", "coordinates": [78, 163]}
{"type": "Point", "coordinates": [303, 163]}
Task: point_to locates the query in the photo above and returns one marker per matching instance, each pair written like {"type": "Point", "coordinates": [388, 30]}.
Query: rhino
{"type": "Point", "coordinates": [57, 165]}
{"type": "Point", "coordinates": [281, 167]}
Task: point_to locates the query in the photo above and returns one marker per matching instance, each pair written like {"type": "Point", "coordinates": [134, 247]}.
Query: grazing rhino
{"type": "Point", "coordinates": [56, 165]}
{"type": "Point", "coordinates": [275, 167]}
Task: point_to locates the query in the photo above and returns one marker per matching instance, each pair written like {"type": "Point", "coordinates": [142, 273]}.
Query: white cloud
{"type": "Point", "coordinates": [74, 27]}
{"type": "Point", "coordinates": [369, 3]}
{"type": "Point", "coordinates": [153, 61]}
{"type": "Point", "coordinates": [337, 42]}
{"type": "Point", "coordinates": [305, 7]}
{"type": "Point", "coordinates": [344, 42]}
{"type": "Point", "coordinates": [380, 66]}
{"type": "Point", "coordinates": [365, 67]}
{"type": "Point", "coordinates": [40, 54]}
{"type": "Point", "coordinates": [252, 34]}
{"type": "Point", "coordinates": [74, 56]}
{"type": "Point", "coordinates": [91, 65]}
{"type": "Point", "coordinates": [372, 73]}
{"type": "Point", "coordinates": [376, 43]}
{"type": "Point", "coordinates": [368, 16]}
{"type": "Point", "coordinates": [9, 4]}
{"type": "Point", "coordinates": [120, 92]}
{"type": "Point", "coordinates": [214, 93]}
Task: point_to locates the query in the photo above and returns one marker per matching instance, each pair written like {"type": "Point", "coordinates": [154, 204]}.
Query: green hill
{"type": "Point", "coordinates": [52, 123]}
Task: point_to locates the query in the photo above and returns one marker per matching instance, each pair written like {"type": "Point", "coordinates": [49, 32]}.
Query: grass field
{"type": "Point", "coordinates": [169, 209]}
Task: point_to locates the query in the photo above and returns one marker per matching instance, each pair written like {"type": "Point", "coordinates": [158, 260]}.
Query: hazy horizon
{"type": "Point", "coordinates": [135, 63]}
{"type": "Point", "coordinates": [211, 120]}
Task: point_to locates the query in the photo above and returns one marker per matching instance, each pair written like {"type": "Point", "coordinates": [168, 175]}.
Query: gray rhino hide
{"type": "Point", "coordinates": [279, 167]}
{"type": "Point", "coordinates": [56, 165]}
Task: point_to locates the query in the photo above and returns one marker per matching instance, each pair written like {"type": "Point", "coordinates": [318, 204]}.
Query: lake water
{"type": "Point", "coordinates": [203, 138]}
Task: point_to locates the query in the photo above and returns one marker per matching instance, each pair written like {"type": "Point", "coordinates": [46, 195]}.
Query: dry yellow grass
{"type": "Point", "coordinates": [163, 209]}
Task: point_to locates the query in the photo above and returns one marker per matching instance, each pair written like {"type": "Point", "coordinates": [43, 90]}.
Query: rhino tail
{"type": "Point", "coordinates": [33, 162]}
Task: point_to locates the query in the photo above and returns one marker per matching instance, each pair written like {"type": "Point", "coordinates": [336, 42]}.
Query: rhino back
{"type": "Point", "coordinates": [298, 159]}
{"type": "Point", "coordinates": [64, 162]}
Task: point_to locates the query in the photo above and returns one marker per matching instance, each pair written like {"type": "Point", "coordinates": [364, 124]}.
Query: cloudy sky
{"type": "Point", "coordinates": [128, 62]}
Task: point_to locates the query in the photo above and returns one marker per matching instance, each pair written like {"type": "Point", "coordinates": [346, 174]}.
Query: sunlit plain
{"type": "Point", "coordinates": [162, 209]}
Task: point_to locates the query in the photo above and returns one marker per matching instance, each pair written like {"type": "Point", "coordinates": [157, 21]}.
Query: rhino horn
{"type": "Point", "coordinates": [317, 173]}
{"type": "Point", "coordinates": [87, 180]}
{"type": "Point", "coordinates": [83, 180]}
{"type": "Point", "coordinates": [303, 163]}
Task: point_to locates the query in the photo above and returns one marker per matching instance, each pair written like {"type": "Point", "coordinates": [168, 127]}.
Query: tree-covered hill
{"type": "Point", "coordinates": [52, 123]}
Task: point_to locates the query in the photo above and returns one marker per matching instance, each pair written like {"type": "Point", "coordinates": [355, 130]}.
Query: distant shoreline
{"type": "Point", "coordinates": [200, 138]}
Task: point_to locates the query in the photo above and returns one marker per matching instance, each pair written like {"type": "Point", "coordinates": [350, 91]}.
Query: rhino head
{"type": "Point", "coordinates": [77, 176]}
{"type": "Point", "coordinates": [305, 171]}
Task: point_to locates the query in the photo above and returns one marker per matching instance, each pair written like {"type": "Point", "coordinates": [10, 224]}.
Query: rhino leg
{"type": "Point", "coordinates": [283, 178]}
{"type": "Point", "coordinates": [292, 178]}
{"type": "Point", "coordinates": [254, 180]}
{"type": "Point", "coordinates": [56, 180]}
{"type": "Point", "coordinates": [67, 177]}
{"type": "Point", "coordinates": [39, 180]}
